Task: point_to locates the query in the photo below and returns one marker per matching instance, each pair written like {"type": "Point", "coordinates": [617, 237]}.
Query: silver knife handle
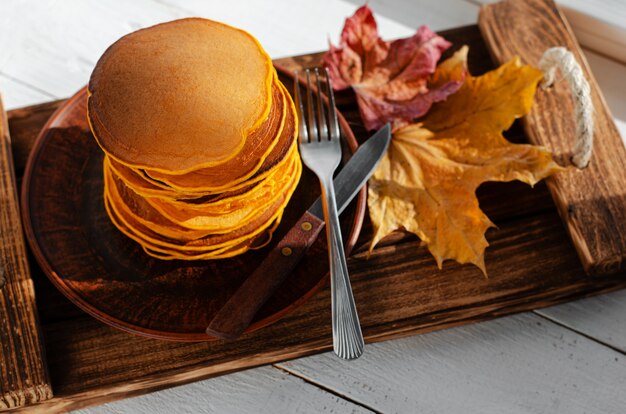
{"type": "Point", "coordinates": [347, 337]}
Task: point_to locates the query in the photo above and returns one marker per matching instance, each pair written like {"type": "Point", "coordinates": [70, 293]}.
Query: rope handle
{"type": "Point", "coordinates": [560, 57]}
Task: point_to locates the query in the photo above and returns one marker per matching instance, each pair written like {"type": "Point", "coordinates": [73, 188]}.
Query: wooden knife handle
{"type": "Point", "coordinates": [236, 315]}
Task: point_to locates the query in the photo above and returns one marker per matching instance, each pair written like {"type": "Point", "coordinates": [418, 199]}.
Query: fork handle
{"type": "Point", "coordinates": [347, 337]}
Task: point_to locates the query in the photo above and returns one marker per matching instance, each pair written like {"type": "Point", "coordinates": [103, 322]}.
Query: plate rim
{"type": "Point", "coordinates": [106, 318]}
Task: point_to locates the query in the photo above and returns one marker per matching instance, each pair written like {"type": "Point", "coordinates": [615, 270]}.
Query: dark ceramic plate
{"type": "Point", "coordinates": [110, 277]}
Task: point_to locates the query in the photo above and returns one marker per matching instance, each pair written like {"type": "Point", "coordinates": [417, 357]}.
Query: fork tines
{"type": "Point", "coordinates": [326, 126]}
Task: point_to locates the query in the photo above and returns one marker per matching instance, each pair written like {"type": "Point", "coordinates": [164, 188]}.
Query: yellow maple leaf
{"type": "Point", "coordinates": [427, 181]}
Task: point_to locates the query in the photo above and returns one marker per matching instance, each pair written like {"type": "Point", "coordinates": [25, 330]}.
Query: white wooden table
{"type": "Point", "coordinates": [566, 359]}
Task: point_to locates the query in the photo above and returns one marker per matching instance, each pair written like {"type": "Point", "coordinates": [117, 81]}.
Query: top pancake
{"type": "Point", "coordinates": [179, 96]}
{"type": "Point", "coordinates": [230, 174]}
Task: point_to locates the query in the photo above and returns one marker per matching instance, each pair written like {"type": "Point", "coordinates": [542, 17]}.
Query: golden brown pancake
{"type": "Point", "coordinates": [166, 254]}
{"type": "Point", "coordinates": [259, 145]}
{"type": "Point", "coordinates": [138, 183]}
{"type": "Point", "coordinates": [258, 198]}
{"type": "Point", "coordinates": [179, 96]}
{"type": "Point", "coordinates": [193, 182]}
{"type": "Point", "coordinates": [216, 179]}
{"type": "Point", "coordinates": [127, 203]}
{"type": "Point", "coordinates": [200, 140]}
{"type": "Point", "coordinates": [149, 225]}
{"type": "Point", "coordinates": [211, 244]}
{"type": "Point", "coordinates": [256, 243]}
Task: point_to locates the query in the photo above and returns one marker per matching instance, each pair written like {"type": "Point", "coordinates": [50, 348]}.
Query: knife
{"type": "Point", "coordinates": [237, 314]}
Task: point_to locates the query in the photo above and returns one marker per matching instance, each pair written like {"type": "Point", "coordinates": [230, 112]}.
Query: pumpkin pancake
{"type": "Point", "coordinates": [265, 238]}
{"type": "Point", "coordinates": [158, 95]}
{"type": "Point", "coordinates": [147, 186]}
{"type": "Point", "coordinates": [193, 182]}
{"type": "Point", "coordinates": [211, 243]}
{"type": "Point", "coordinates": [251, 229]}
{"type": "Point", "coordinates": [257, 148]}
{"type": "Point", "coordinates": [152, 227]}
{"type": "Point", "coordinates": [225, 254]}
{"type": "Point", "coordinates": [235, 251]}
{"type": "Point", "coordinates": [189, 224]}
{"type": "Point", "coordinates": [146, 189]}
{"type": "Point", "coordinates": [257, 198]}
{"type": "Point", "coordinates": [127, 228]}
{"type": "Point", "coordinates": [200, 140]}
{"type": "Point", "coordinates": [142, 186]}
{"type": "Point", "coordinates": [123, 198]}
{"type": "Point", "coordinates": [139, 183]}
{"type": "Point", "coordinates": [258, 242]}
{"type": "Point", "coordinates": [158, 253]}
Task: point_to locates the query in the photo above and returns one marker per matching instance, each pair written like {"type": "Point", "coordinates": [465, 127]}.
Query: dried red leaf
{"type": "Point", "coordinates": [390, 79]}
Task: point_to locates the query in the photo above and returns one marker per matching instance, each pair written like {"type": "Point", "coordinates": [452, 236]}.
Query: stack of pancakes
{"type": "Point", "coordinates": [199, 137]}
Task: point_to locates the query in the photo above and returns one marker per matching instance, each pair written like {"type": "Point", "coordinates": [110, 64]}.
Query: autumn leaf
{"type": "Point", "coordinates": [427, 181]}
{"type": "Point", "coordinates": [390, 79]}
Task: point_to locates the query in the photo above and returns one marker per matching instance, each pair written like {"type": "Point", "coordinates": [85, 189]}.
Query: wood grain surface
{"type": "Point", "coordinates": [591, 202]}
{"type": "Point", "coordinates": [398, 290]}
{"type": "Point", "coordinates": [23, 373]}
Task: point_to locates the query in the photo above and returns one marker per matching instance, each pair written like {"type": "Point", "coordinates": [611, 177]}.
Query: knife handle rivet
{"type": "Point", "coordinates": [306, 226]}
{"type": "Point", "coordinates": [286, 251]}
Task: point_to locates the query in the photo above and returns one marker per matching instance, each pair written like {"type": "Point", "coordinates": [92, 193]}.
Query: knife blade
{"type": "Point", "coordinates": [237, 314]}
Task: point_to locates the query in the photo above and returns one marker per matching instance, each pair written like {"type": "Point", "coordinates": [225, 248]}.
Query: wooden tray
{"type": "Point", "coordinates": [399, 291]}
{"type": "Point", "coordinates": [78, 247]}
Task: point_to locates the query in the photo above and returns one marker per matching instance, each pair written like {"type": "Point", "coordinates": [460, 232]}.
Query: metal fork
{"type": "Point", "coordinates": [320, 149]}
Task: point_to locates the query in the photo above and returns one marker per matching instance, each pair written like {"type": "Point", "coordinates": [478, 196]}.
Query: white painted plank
{"type": "Point", "coordinates": [438, 15]}
{"type": "Point", "coordinates": [15, 94]}
{"type": "Point", "coordinates": [601, 317]}
{"type": "Point", "coordinates": [610, 76]}
{"type": "Point", "coordinates": [612, 12]}
{"type": "Point", "coordinates": [287, 27]}
{"type": "Point", "coordinates": [53, 45]}
{"type": "Point", "coordinates": [502, 366]}
{"type": "Point", "coordinates": [263, 390]}
{"type": "Point", "coordinates": [599, 25]}
{"type": "Point", "coordinates": [517, 364]}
